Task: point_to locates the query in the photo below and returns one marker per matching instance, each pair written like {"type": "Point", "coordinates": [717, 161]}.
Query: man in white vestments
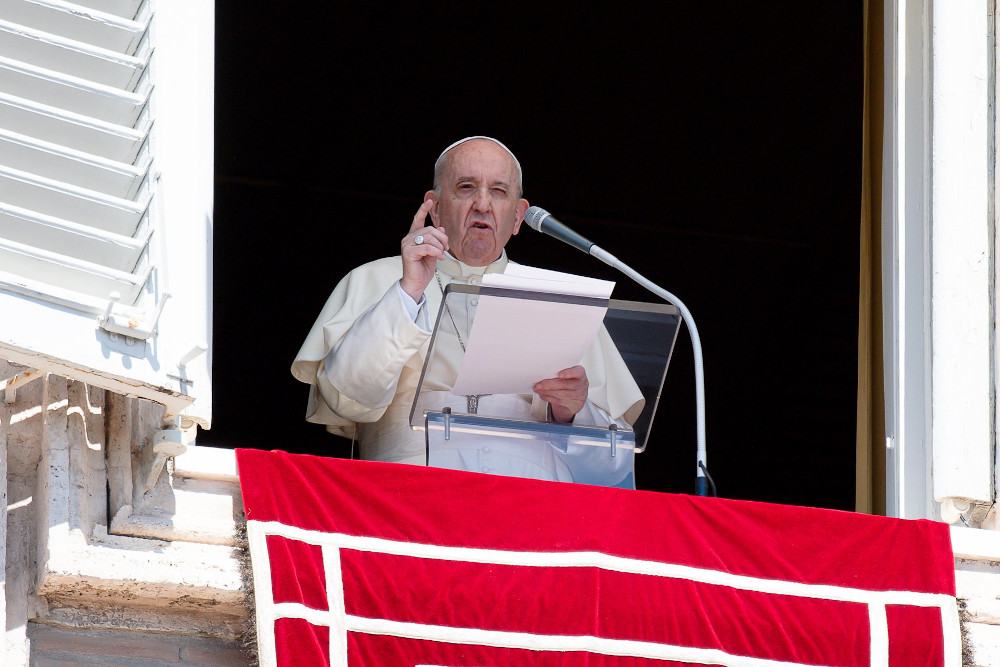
{"type": "Point", "coordinates": [363, 356]}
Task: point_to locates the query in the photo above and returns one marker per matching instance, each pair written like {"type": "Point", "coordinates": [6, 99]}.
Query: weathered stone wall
{"type": "Point", "coordinates": [105, 562]}
{"type": "Point", "coordinates": [978, 586]}
{"type": "Point", "coordinates": [63, 646]}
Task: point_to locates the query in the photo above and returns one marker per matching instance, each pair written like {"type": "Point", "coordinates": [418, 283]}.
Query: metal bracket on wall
{"type": "Point", "coordinates": [169, 443]}
{"type": "Point", "coordinates": [131, 326]}
{"type": "Point", "coordinates": [9, 386]}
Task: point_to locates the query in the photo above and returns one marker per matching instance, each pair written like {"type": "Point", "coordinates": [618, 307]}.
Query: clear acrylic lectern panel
{"type": "Point", "coordinates": [508, 433]}
{"type": "Point", "coordinates": [534, 450]}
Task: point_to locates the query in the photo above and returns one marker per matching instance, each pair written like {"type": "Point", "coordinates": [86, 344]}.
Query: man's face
{"type": "Point", "coordinates": [479, 206]}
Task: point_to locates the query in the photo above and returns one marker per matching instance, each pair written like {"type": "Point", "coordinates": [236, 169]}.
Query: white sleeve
{"type": "Point", "coordinates": [415, 308]}
{"type": "Point", "coordinates": [363, 367]}
{"type": "Point", "coordinates": [590, 414]}
{"type": "Point", "coordinates": [593, 415]}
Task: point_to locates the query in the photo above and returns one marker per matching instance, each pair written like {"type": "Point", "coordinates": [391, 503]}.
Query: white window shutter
{"type": "Point", "coordinates": [962, 284]}
{"type": "Point", "coordinates": [106, 172]}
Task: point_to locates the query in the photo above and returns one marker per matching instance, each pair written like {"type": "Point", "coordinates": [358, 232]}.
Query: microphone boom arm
{"type": "Point", "coordinates": [701, 481]}
{"type": "Point", "coordinates": [542, 221]}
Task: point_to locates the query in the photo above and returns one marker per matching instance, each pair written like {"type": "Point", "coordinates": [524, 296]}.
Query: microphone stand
{"type": "Point", "coordinates": [541, 220]}
{"type": "Point", "coordinates": [702, 479]}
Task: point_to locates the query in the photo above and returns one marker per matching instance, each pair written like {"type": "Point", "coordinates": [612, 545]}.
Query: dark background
{"type": "Point", "coordinates": [715, 147]}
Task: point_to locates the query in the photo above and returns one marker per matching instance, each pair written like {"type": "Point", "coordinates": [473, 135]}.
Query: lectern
{"type": "Point", "coordinates": [509, 433]}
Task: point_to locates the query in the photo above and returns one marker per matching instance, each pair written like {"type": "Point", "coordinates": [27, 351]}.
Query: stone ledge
{"type": "Point", "coordinates": [205, 622]}
{"type": "Point", "coordinates": [138, 583]}
{"type": "Point", "coordinates": [71, 646]}
{"type": "Point", "coordinates": [975, 544]}
{"type": "Point", "coordinates": [207, 463]}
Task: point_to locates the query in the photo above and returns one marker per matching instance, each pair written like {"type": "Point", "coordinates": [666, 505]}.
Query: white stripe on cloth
{"type": "Point", "coordinates": [878, 629]}
{"type": "Point", "coordinates": [607, 562]}
{"type": "Point", "coordinates": [335, 603]}
{"type": "Point", "coordinates": [263, 594]}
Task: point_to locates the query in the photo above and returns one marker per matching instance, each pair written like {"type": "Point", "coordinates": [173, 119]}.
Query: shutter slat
{"type": "Point", "coordinates": [125, 8]}
{"type": "Point", "coordinates": [71, 93]}
{"type": "Point", "coordinates": [48, 267]}
{"type": "Point", "coordinates": [70, 57]}
{"type": "Point", "coordinates": [92, 26]}
{"type": "Point", "coordinates": [72, 167]}
{"type": "Point", "coordinates": [72, 130]}
{"type": "Point", "coordinates": [60, 200]}
{"type": "Point", "coordinates": [72, 239]}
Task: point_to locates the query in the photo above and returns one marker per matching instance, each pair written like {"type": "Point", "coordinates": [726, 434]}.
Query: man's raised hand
{"type": "Point", "coordinates": [421, 249]}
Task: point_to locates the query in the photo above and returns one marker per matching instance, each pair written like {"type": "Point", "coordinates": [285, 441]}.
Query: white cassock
{"type": "Point", "coordinates": [363, 358]}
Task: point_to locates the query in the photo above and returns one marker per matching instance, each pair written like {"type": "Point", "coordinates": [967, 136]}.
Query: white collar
{"type": "Point", "coordinates": [454, 268]}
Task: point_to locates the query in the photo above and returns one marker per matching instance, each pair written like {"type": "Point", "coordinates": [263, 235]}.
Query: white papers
{"type": "Point", "coordinates": [518, 276]}
{"type": "Point", "coordinates": [516, 342]}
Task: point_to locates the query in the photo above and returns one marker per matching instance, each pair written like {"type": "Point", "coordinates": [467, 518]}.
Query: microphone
{"type": "Point", "coordinates": [542, 221]}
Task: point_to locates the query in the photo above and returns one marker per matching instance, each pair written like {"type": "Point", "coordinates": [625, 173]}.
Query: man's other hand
{"type": "Point", "coordinates": [566, 393]}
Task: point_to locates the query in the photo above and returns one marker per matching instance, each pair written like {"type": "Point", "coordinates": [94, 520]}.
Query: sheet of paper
{"type": "Point", "coordinates": [514, 343]}
{"type": "Point", "coordinates": [518, 276]}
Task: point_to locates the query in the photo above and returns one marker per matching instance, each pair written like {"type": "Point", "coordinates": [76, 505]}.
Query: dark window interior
{"type": "Point", "coordinates": [714, 147]}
